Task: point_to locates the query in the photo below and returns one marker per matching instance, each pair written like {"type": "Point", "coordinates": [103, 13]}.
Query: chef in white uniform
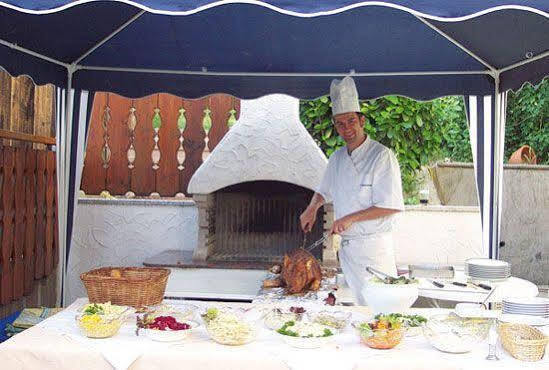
{"type": "Point", "coordinates": [363, 182]}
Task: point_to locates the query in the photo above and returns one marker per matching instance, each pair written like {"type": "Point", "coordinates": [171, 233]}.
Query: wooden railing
{"type": "Point", "coordinates": [28, 220]}
{"type": "Point", "coordinates": [154, 144]}
{"type": "Point", "coordinates": [5, 134]}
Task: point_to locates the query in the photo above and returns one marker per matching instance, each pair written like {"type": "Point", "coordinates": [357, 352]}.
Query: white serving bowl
{"type": "Point", "coordinates": [474, 310]}
{"type": "Point", "coordinates": [453, 334]}
{"type": "Point", "coordinates": [308, 343]}
{"type": "Point", "coordinates": [221, 332]}
{"type": "Point", "coordinates": [170, 335]}
{"type": "Point", "coordinates": [332, 319]}
{"type": "Point", "coordinates": [181, 313]}
{"type": "Point", "coordinates": [275, 318]}
{"type": "Point", "coordinates": [389, 298]}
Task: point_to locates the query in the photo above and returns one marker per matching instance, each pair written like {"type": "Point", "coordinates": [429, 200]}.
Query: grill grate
{"type": "Point", "coordinates": [259, 227]}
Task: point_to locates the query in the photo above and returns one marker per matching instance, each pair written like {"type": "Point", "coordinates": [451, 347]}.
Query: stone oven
{"type": "Point", "coordinates": [252, 188]}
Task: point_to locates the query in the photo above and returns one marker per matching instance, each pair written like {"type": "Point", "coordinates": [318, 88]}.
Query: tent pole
{"type": "Point", "coordinates": [32, 53]}
{"type": "Point", "coordinates": [282, 74]}
{"type": "Point", "coordinates": [525, 61]}
{"type": "Point", "coordinates": [498, 168]}
{"type": "Point", "coordinates": [455, 42]}
{"type": "Point", "coordinates": [110, 36]}
{"type": "Point", "coordinates": [63, 152]}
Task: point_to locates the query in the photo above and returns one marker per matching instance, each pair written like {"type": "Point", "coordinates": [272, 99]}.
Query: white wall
{"type": "Point", "coordinates": [524, 221]}
{"type": "Point", "coordinates": [125, 232]}
{"type": "Point", "coordinates": [438, 234]}
{"type": "Point", "coordinates": [525, 211]}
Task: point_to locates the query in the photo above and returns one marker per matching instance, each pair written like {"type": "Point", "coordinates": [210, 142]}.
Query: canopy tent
{"type": "Point", "coordinates": [420, 49]}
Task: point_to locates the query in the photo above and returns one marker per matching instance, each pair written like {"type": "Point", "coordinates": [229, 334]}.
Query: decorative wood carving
{"type": "Point", "coordinates": [132, 124]}
{"type": "Point", "coordinates": [106, 150]}
{"type": "Point", "coordinates": [156, 123]}
{"type": "Point", "coordinates": [232, 118]}
{"type": "Point", "coordinates": [207, 126]}
{"type": "Point", "coordinates": [181, 125]}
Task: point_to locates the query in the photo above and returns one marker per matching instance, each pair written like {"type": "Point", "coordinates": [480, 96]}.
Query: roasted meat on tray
{"type": "Point", "coordinates": [300, 272]}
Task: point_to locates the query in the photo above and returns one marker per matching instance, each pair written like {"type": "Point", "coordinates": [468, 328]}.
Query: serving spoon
{"type": "Point", "coordinates": [483, 304]}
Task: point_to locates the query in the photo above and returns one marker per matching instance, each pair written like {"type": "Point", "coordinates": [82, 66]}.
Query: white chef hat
{"type": "Point", "coordinates": [344, 96]}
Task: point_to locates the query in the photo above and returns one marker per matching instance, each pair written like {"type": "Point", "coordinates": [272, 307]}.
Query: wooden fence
{"type": "Point", "coordinates": [153, 144]}
{"type": "Point", "coordinates": [28, 220]}
{"type": "Point", "coordinates": [26, 109]}
{"type": "Point", "coordinates": [28, 198]}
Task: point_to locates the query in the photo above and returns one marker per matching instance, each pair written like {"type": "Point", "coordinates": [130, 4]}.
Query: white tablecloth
{"type": "Point", "coordinates": [510, 287]}
{"type": "Point", "coordinates": [57, 344]}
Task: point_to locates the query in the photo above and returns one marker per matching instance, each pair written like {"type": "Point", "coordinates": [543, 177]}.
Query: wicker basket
{"type": "Point", "coordinates": [523, 342]}
{"type": "Point", "coordinates": [128, 286]}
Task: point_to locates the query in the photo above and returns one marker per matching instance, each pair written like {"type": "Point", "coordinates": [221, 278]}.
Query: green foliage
{"type": "Point", "coordinates": [415, 131]}
{"type": "Point", "coordinates": [456, 144]}
{"type": "Point", "coordinates": [527, 121]}
{"type": "Point", "coordinates": [316, 115]}
{"type": "Point", "coordinates": [420, 133]}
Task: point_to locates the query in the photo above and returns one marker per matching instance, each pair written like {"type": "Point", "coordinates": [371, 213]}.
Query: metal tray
{"type": "Point", "coordinates": [431, 271]}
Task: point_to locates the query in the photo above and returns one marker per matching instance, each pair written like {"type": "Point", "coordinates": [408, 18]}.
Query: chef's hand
{"type": "Point", "coordinates": [307, 219]}
{"type": "Point", "coordinates": [342, 224]}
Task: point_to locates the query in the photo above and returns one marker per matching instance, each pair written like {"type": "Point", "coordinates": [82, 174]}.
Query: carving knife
{"type": "Point", "coordinates": [483, 286]}
{"type": "Point", "coordinates": [315, 244]}
{"type": "Point", "coordinates": [436, 283]}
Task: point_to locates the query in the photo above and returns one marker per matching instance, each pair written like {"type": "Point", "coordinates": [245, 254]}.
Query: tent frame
{"type": "Point", "coordinates": [63, 139]}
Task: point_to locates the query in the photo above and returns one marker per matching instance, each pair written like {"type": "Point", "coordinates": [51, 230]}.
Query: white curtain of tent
{"type": "Point", "coordinates": [72, 122]}
{"type": "Point", "coordinates": [487, 136]}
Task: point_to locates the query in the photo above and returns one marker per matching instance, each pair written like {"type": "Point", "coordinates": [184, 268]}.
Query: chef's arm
{"type": "Point", "coordinates": [308, 217]}
{"type": "Point", "coordinates": [371, 213]}
{"type": "Point", "coordinates": [316, 202]}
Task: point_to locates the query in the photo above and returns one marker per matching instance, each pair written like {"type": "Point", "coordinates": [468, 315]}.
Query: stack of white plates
{"type": "Point", "coordinates": [534, 306]}
{"type": "Point", "coordinates": [487, 269]}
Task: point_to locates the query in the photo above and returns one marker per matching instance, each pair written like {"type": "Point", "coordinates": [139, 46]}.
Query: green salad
{"type": "Point", "coordinates": [211, 314]}
{"type": "Point", "coordinates": [103, 309]}
{"type": "Point", "coordinates": [304, 330]}
{"type": "Point", "coordinates": [410, 321]}
{"type": "Point", "coordinates": [401, 280]}
{"type": "Point", "coordinates": [93, 309]}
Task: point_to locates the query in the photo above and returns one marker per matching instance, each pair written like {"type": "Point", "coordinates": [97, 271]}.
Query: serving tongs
{"type": "Point", "coordinates": [379, 274]}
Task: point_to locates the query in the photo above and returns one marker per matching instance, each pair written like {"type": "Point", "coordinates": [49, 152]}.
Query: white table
{"type": "Point", "coordinates": [510, 287]}
{"type": "Point", "coordinates": [54, 344]}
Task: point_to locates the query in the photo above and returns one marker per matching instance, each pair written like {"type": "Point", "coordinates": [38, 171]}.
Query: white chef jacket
{"type": "Point", "coordinates": [369, 176]}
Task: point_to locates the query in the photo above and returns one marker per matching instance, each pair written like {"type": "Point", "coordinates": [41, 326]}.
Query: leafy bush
{"type": "Point", "coordinates": [456, 145]}
{"type": "Point", "coordinates": [415, 131]}
{"type": "Point", "coordinates": [527, 120]}
{"type": "Point", "coordinates": [421, 133]}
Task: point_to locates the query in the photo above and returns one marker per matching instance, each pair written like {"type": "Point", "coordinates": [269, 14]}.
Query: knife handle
{"type": "Point", "coordinates": [459, 284]}
{"type": "Point", "coordinates": [484, 286]}
{"type": "Point", "coordinates": [437, 284]}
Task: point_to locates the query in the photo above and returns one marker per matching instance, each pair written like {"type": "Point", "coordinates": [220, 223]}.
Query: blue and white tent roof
{"type": "Point", "coordinates": [451, 10]}
{"type": "Point", "coordinates": [422, 49]}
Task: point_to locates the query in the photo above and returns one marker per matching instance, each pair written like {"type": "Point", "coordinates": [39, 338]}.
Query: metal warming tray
{"type": "Point", "coordinates": [432, 271]}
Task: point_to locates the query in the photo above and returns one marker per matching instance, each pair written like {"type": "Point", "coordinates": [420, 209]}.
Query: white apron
{"type": "Point", "coordinates": [369, 176]}
{"type": "Point", "coordinates": [355, 254]}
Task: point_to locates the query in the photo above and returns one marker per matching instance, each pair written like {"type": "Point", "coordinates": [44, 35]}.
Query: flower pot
{"type": "Point", "coordinates": [523, 155]}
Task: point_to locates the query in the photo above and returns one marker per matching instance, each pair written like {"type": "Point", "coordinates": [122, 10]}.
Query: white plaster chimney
{"type": "Point", "coordinates": [268, 142]}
